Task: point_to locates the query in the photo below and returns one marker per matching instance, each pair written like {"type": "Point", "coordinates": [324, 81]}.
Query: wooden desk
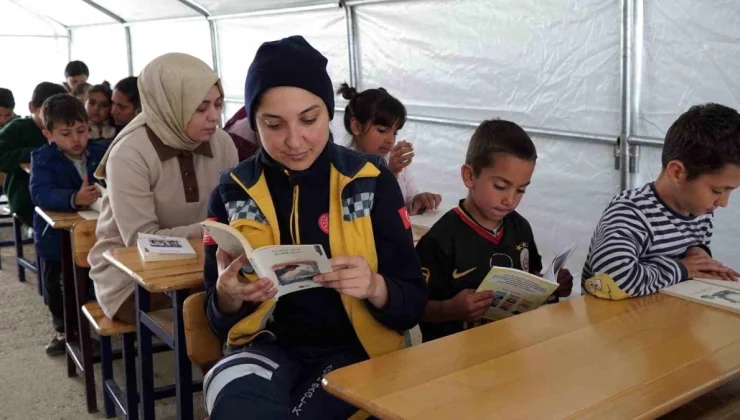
{"type": "Point", "coordinates": [26, 167]}
{"type": "Point", "coordinates": [175, 278]}
{"type": "Point", "coordinates": [60, 219]}
{"type": "Point", "coordinates": [584, 358]}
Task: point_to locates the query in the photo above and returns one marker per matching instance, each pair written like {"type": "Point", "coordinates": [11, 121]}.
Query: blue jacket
{"type": "Point", "coordinates": [54, 180]}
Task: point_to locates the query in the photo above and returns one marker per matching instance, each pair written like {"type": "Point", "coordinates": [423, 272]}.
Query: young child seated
{"type": "Point", "coordinates": [61, 180]}
{"type": "Point", "coordinates": [658, 235]}
{"type": "Point", "coordinates": [483, 231]}
{"type": "Point", "coordinates": [98, 107]}
{"type": "Point", "coordinates": [7, 106]}
{"type": "Point", "coordinates": [17, 140]}
{"type": "Point", "coordinates": [373, 117]}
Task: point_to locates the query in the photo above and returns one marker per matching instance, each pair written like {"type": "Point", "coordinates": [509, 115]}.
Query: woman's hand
{"type": "Point", "coordinates": [352, 276]}
{"type": "Point", "coordinates": [232, 291]}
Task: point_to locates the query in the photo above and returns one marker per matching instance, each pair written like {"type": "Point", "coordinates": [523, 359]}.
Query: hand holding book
{"type": "Point", "coordinates": [233, 290]}
{"type": "Point", "coordinates": [352, 276]}
{"type": "Point", "coordinates": [700, 264]}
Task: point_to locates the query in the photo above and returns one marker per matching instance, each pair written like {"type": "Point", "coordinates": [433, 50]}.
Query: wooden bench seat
{"type": "Point", "coordinates": [103, 325]}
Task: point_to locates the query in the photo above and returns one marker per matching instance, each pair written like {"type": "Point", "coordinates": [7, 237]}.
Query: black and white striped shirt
{"type": "Point", "coordinates": [639, 241]}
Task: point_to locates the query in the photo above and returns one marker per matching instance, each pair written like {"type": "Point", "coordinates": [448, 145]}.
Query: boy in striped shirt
{"type": "Point", "coordinates": [658, 235]}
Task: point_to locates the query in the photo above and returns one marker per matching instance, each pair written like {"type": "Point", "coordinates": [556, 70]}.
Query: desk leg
{"type": "Point", "coordinates": [183, 367]}
{"type": "Point", "coordinates": [146, 364]}
{"type": "Point", "coordinates": [70, 300]}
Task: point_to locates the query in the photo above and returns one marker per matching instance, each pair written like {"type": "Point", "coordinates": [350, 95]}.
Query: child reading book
{"type": "Point", "coordinates": [373, 118]}
{"type": "Point", "coordinates": [61, 180]}
{"type": "Point", "coordinates": [658, 235]}
{"type": "Point", "coordinates": [483, 231]}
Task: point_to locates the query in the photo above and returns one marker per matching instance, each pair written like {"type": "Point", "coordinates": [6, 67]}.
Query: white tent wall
{"type": "Point", "coordinates": [689, 55]}
{"type": "Point", "coordinates": [554, 66]}
{"type": "Point", "coordinates": [103, 49]}
{"type": "Point", "coordinates": [40, 42]}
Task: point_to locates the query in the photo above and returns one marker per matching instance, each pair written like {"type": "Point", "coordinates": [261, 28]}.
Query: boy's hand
{"type": "Point", "coordinates": [86, 195]}
{"type": "Point", "coordinates": [700, 264]}
{"type": "Point", "coordinates": [468, 305]}
{"type": "Point", "coordinates": [729, 275]}
{"type": "Point", "coordinates": [401, 156]}
{"type": "Point", "coordinates": [424, 202]}
{"type": "Point", "coordinates": [565, 280]}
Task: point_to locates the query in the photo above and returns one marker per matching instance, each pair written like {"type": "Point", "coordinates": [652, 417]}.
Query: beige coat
{"type": "Point", "coordinates": [159, 180]}
{"type": "Point", "coordinates": [147, 194]}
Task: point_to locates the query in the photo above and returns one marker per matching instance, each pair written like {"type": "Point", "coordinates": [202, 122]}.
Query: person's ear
{"type": "Point", "coordinates": [468, 175]}
{"type": "Point", "coordinates": [676, 172]}
{"type": "Point", "coordinates": [357, 128]}
{"type": "Point", "coordinates": [31, 108]}
{"type": "Point", "coordinates": [49, 135]}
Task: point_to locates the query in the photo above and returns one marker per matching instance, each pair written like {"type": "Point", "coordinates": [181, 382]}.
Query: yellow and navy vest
{"type": "Point", "coordinates": [351, 192]}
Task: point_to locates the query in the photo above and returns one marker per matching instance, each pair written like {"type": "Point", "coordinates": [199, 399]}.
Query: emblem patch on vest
{"type": "Point", "coordinates": [324, 223]}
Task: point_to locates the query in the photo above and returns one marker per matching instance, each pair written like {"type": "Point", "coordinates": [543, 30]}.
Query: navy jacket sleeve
{"type": "Point", "coordinates": [45, 191]}
{"type": "Point", "coordinates": [397, 260]}
{"type": "Point", "coordinates": [220, 322]}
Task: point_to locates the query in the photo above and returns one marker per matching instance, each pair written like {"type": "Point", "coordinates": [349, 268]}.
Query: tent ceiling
{"type": "Point", "coordinates": [225, 7]}
{"type": "Point", "coordinates": [72, 13]}
{"type": "Point", "coordinates": [66, 12]}
{"type": "Point", "coordinates": [133, 10]}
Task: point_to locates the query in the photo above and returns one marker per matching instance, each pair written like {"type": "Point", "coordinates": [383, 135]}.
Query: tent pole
{"type": "Point", "coordinates": [354, 73]}
{"type": "Point", "coordinates": [626, 48]}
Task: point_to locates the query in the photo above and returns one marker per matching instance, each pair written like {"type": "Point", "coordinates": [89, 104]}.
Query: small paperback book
{"type": "Point", "coordinates": [290, 267]}
{"type": "Point", "coordinates": [517, 291]}
{"type": "Point", "coordinates": [164, 248]}
{"type": "Point", "coordinates": [716, 293]}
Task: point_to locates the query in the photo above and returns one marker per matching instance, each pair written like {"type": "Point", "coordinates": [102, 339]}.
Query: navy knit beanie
{"type": "Point", "coordinates": [288, 62]}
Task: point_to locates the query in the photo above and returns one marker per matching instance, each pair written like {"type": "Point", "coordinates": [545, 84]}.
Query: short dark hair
{"type": "Point", "coordinates": [129, 87]}
{"type": "Point", "coordinates": [63, 108]}
{"type": "Point", "coordinates": [705, 139]}
{"type": "Point", "coordinates": [6, 98]}
{"type": "Point", "coordinates": [375, 106]}
{"type": "Point", "coordinates": [76, 68]}
{"type": "Point", "coordinates": [43, 91]}
{"type": "Point", "coordinates": [498, 136]}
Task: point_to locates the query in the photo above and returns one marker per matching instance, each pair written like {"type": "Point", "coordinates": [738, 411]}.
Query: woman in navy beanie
{"type": "Point", "coordinates": [302, 188]}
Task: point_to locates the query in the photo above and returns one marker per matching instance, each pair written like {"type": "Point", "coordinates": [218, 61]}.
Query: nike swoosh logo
{"type": "Point", "coordinates": [456, 275]}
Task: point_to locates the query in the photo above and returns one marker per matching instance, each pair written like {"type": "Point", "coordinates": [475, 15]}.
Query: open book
{"type": "Point", "coordinates": [716, 293]}
{"type": "Point", "coordinates": [290, 267]}
{"type": "Point", "coordinates": [517, 291]}
{"type": "Point", "coordinates": [95, 208]}
{"type": "Point", "coordinates": [164, 248]}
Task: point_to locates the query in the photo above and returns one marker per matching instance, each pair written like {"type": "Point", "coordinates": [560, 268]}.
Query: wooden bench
{"type": "Point", "coordinates": [79, 343]}
{"type": "Point", "coordinates": [113, 397]}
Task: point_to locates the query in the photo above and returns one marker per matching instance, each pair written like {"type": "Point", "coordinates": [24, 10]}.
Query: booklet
{"type": "Point", "coordinates": [716, 293]}
{"type": "Point", "coordinates": [517, 291]}
{"type": "Point", "coordinates": [290, 267]}
{"type": "Point", "coordinates": [164, 248]}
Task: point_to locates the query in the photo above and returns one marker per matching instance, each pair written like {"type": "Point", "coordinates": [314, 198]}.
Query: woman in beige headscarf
{"type": "Point", "coordinates": [160, 170]}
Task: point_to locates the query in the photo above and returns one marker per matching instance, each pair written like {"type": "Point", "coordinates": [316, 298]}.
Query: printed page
{"type": "Point", "coordinates": [707, 294]}
{"type": "Point", "coordinates": [558, 263]}
{"type": "Point", "coordinates": [291, 267]}
{"type": "Point", "coordinates": [721, 283]}
{"type": "Point", "coordinates": [228, 239]}
{"type": "Point", "coordinates": [515, 292]}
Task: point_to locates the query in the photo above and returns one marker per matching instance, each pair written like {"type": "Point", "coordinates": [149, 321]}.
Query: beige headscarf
{"type": "Point", "coordinates": [171, 88]}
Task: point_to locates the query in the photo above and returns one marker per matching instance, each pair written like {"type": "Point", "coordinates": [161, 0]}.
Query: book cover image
{"type": "Point", "coordinates": [726, 296]}
{"type": "Point", "coordinates": [164, 243]}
